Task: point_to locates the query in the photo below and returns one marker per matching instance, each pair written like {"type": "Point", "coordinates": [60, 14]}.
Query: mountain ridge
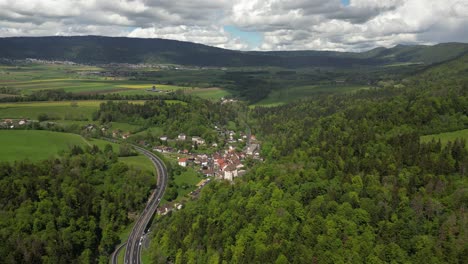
{"type": "Point", "coordinates": [102, 50]}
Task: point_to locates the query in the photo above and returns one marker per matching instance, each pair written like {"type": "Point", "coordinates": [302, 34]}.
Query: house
{"type": "Point", "coordinates": [22, 122]}
{"type": "Point", "coordinates": [163, 138]}
{"type": "Point", "coordinates": [163, 210]}
{"type": "Point", "coordinates": [116, 133]}
{"type": "Point", "coordinates": [251, 149]}
{"type": "Point", "coordinates": [159, 149]}
{"type": "Point", "coordinates": [182, 162]}
{"type": "Point", "coordinates": [182, 137]}
{"type": "Point", "coordinates": [198, 140]}
{"type": "Point", "coordinates": [126, 135]}
{"type": "Point", "coordinates": [90, 127]}
{"type": "Point", "coordinates": [230, 172]}
{"type": "Point", "coordinates": [163, 149]}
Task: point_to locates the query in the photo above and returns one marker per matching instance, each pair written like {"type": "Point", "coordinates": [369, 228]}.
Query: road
{"type": "Point", "coordinates": [134, 242]}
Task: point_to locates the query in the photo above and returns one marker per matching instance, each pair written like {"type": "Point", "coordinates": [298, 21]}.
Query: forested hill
{"type": "Point", "coordinates": [97, 49]}
{"type": "Point", "coordinates": [346, 180]}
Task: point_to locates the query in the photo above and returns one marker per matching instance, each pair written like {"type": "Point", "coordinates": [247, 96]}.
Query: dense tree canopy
{"type": "Point", "coordinates": [346, 180]}
{"type": "Point", "coordinates": [67, 210]}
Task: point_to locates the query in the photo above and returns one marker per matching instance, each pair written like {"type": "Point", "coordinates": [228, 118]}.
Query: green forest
{"type": "Point", "coordinates": [70, 209]}
{"type": "Point", "coordinates": [346, 180]}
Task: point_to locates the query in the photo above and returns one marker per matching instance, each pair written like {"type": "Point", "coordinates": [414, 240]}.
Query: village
{"type": "Point", "coordinates": [226, 164]}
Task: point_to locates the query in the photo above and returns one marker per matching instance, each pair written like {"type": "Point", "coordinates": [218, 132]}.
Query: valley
{"type": "Point", "coordinates": [248, 157]}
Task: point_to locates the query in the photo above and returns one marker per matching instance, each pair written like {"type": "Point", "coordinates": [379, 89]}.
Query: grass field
{"type": "Point", "coordinates": [188, 178]}
{"type": "Point", "coordinates": [287, 95]}
{"type": "Point", "coordinates": [446, 137]}
{"type": "Point", "coordinates": [55, 110]}
{"type": "Point", "coordinates": [59, 110]}
{"type": "Point", "coordinates": [30, 78]}
{"type": "Point", "coordinates": [37, 145]}
{"type": "Point", "coordinates": [139, 161]}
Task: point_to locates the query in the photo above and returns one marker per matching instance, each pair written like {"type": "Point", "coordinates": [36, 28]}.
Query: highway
{"type": "Point", "coordinates": [134, 242]}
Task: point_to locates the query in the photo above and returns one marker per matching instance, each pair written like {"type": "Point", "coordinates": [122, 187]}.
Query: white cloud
{"type": "Point", "coordinates": [300, 24]}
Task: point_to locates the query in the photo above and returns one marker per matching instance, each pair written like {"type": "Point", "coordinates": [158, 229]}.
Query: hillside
{"type": "Point", "coordinates": [346, 179]}
{"type": "Point", "coordinates": [97, 49]}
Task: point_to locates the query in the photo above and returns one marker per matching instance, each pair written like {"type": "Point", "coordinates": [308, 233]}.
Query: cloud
{"type": "Point", "coordinates": [284, 25]}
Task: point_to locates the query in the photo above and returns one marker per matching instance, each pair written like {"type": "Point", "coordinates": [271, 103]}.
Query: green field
{"type": "Point", "coordinates": [446, 137]}
{"type": "Point", "coordinates": [209, 93]}
{"type": "Point", "coordinates": [283, 96]}
{"type": "Point", "coordinates": [37, 144]}
{"type": "Point", "coordinates": [139, 161]}
{"type": "Point", "coordinates": [56, 110]}
{"type": "Point", "coordinates": [83, 80]}
{"type": "Point", "coordinates": [188, 178]}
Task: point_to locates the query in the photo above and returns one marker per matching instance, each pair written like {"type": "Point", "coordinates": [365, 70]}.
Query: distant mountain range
{"type": "Point", "coordinates": [103, 50]}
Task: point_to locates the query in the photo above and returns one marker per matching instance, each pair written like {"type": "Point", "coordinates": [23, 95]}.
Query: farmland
{"type": "Point", "coordinates": [38, 145]}
{"type": "Point", "coordinates": [56, 110]}
{"type": "Point", "coordinates": [29, 78]}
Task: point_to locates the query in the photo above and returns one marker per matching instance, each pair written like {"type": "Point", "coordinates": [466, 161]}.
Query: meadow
{"type": "Point", "coordinates": [140, 161]}
{"type": "Point", "coordinates": [38, 144]}
{"type": "Point", "coordinates": [446, 137]}
{"type": "Point", "coordinates": [56, 110]}
{"type": "Point", "coordinates": [60, 110]}
{"type": "Point", "coordinates": [82, 80]}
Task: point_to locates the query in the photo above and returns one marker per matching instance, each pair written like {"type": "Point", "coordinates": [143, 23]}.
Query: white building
{"type": "Point", "coordinates": [182, 136]}
{"type": "Point", "coordinates": [182, 162]}
{"type": "Point", "coordinates": [198, 140]}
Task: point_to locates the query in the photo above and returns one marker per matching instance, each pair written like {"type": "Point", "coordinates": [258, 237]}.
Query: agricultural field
{"type": "Point", "coordinates": [37, 144]}
{"type": "Point", "coordinates": [283, 96]}
{"type": "Point", "coordinates": [55, 110]}
{"type": "Point", "coordinates": [60, 110]}
{"type": "Point", "coordinates": [76, 79]}
{"type": "Point", "coordinates": [446, 137]}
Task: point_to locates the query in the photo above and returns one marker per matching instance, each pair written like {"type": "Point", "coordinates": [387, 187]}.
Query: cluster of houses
{"type": "Point", "coordinates": [165, 209]}
{"type": "Point", "coordinates": [226, 164]}
{"type": "Point", "coordinates": [181, 137]}
{"type": "Point", "coordinates": [13, 123]}
{"type": "Point", "coordinates": [120, 134]}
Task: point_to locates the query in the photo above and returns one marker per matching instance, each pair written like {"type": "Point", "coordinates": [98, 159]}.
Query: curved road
{"type": "Point", "coordinates": [134, 242]}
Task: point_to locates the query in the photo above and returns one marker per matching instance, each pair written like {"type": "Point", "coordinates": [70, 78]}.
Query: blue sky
{"type": "Point", "coordinates": [345, 2]}
{"type": "Point", "coordinates": [253, 39]}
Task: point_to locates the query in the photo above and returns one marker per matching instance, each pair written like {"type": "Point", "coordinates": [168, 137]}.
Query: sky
{"type": "Point", "coordinates": [341, 25]}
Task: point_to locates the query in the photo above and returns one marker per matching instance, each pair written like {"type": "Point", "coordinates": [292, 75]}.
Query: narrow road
{"type": "Point", "coordinates": [134, 242]}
